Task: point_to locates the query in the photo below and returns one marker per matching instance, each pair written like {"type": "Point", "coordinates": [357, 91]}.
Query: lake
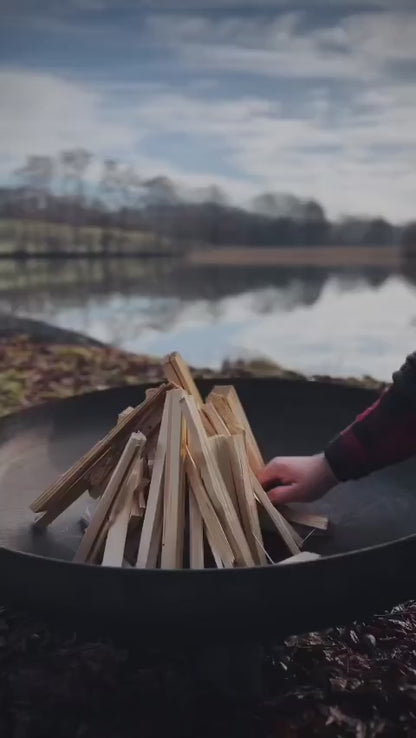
{"type": "Point", "coordinates": [315, 320]}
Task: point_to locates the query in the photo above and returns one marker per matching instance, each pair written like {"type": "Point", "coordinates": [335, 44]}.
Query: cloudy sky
{"type": "Point", "coordinates": [311, 97]}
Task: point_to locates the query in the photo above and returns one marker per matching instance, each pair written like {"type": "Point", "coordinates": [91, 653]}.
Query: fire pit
{"type": "Point", "coordinates": [366, 557]}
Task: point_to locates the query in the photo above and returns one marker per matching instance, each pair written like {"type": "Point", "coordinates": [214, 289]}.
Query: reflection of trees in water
{"type": "Point", "coordinates": [215, 282]}
{"type": "Point", "coordinates": [44, 285]}
{"type": "Point", "coordinates": [408, 268]}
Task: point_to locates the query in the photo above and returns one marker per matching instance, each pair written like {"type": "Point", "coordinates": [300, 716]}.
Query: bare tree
{"type": "Point", "coordinates": [110, 183]}
{"type": "Point", "coordinates": [36, 178]}
{"type": "Point", "coordinates": [74, 164]}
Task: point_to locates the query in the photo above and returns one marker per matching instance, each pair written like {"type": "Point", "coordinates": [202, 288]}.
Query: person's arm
{"type": "Point", "coordinates": [382, 435]}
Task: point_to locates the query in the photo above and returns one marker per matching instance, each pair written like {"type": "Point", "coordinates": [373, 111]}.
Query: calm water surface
{"type": "Point", "coordinates": [313, 320]}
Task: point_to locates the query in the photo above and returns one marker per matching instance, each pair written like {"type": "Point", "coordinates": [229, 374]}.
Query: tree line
{"type": "Point", "coordinates": [74, 189]}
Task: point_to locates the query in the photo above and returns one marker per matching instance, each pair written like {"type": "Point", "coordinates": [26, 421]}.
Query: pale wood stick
{"type": "Point", "coordinates": [219, 448]}
{"type": "Point", "coordinates": [150, 537]}
{"type": "Point", "coordinates": [96, 490]}
{"type": "Point", "coordinates": [225, 413]}
{"type": "Point", "coordinates": [215, 555]}
{"type": "Point", "coordinates": [217, 539]}
{"type": "Point", "coordinates": [172, 532]}
{"type": "Point", "coordinates": [214, 484]}
{"type": "Point", "coordinates": [136, 512]}
{"type": "Point", "coordinates": [245, 495]}
{"type": "Point", "coordinates": [120, 516]}
{"type": "Point", "coordinates": [301, 557]}
{"type": "Point", "coordinates": [93, 482]}
{"type": "Point", "coordinates": [208, 427]}
{"type": "Point", "coordinates": [217, 407]}
{"type": "Point", "coordinates": [196, 534]}
{"type": "Point", "coordinates": [310, 520]}
{"type": "Point", "coordinates": [215, 419]}
{"type": "Point", "coordinates": [267, 523]}
{"type": "Point", "coordinates": [144, 418]}
{"type": "Point", "coordinates": [98, 546]}
{"type": "Point", "coordinates": [230, 393]}
{"type": "Point", "coordinates": [183, 488]}
{"type": "Point", "coordinates": [277, 518]}
{"type": "Point", "coordinates": [152, 444]}
{"type": "Point", "coordinates": [73, 494]}
{"type": "Point", "coordinates": [177, 372]}
{"type": "Point", "coordinates": [222, 416]}
{"type": "Point", "coordinates": [155, 545]}
{"type": "Point", "coordinates": [124, 414]}
{"type": "Point", "coordinates": [101, 512]}
{"type": "Point", "coordinates": [99, 474]}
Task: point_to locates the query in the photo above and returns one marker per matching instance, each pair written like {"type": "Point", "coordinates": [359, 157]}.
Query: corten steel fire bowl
{"type": "Point", "coordinates": [368, 556]}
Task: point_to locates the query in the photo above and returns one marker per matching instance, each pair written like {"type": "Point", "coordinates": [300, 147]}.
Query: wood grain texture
{"type": "Point", "coordinates": [215, 485]}
{"type": "Point", "coordinates": [102, 510]}
{"type": "Point", "coordinates": [173, 488]}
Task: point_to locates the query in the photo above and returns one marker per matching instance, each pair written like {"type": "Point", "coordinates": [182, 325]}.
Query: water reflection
{"type": "Point", "coordinates": [311, 319]}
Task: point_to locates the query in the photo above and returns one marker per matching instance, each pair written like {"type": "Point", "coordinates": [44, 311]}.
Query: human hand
{"type": "Point", "coordinates": [300, 478]}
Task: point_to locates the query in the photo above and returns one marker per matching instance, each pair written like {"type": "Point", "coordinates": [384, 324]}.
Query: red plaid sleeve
{"type": "Point", "coordinates": [382, 435]}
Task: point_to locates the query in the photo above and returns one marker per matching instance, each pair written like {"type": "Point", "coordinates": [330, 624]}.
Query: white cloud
{"type": "Point", "coordinates": [43, 113]}
{"type": "Point", "coordinates": [341, 168]}
{"type": "Point", "coordinates": [355, 151]}
{"type": "Point", "coordinates": [357, 47]}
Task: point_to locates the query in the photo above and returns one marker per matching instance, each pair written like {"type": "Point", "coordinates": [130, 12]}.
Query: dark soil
{"type": "Point", "coordinates": [356, 681]}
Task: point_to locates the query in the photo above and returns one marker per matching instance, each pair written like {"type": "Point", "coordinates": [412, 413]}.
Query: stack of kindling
{"type": "Point", "coordinates": [176, 485]}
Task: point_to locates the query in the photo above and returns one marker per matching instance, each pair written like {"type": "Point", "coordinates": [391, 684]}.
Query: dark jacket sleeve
{"type": "Point", "coordinates": [382, 435]}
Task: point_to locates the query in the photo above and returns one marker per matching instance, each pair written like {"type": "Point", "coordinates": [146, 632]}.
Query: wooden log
{"type": "Point", "coordinates": [196, 534]}
{"type": "Point", "coordinates": [120, 515]}
{"type": "Point", "coordinates": [144, 418]}
{"type": "Point", "coordinates": [177, 371]}
{"type": "Point", "coordinates": [151, 531]}
{"type": "Point", "coordinates": [216, 537]}
{"type": "Point", "coordinates": [280, 523]}
{"type": "Point", "coordinates": [246, 500]}
{"type": "Point", "coordinates": [225, 413]}
{"type": "Point", "coordinates": [214, 484]}
{"type": "Point", "coordinates": [133, 445]}
{"type": "Point", "coordinates": [173, 493]}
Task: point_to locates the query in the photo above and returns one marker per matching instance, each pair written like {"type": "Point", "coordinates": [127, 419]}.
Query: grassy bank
{"type": "Point", "coordinates": [44, 238]}
{"type": "Point", "coordinates": [33, 372]}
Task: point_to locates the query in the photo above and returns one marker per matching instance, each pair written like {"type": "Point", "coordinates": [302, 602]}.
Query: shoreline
{"type": "Point", "coordinates": [323, 256]}
{"type": "Point", "coordinates": [389, 257]}
{"type": "Point", "coordinates": [39, 362]}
